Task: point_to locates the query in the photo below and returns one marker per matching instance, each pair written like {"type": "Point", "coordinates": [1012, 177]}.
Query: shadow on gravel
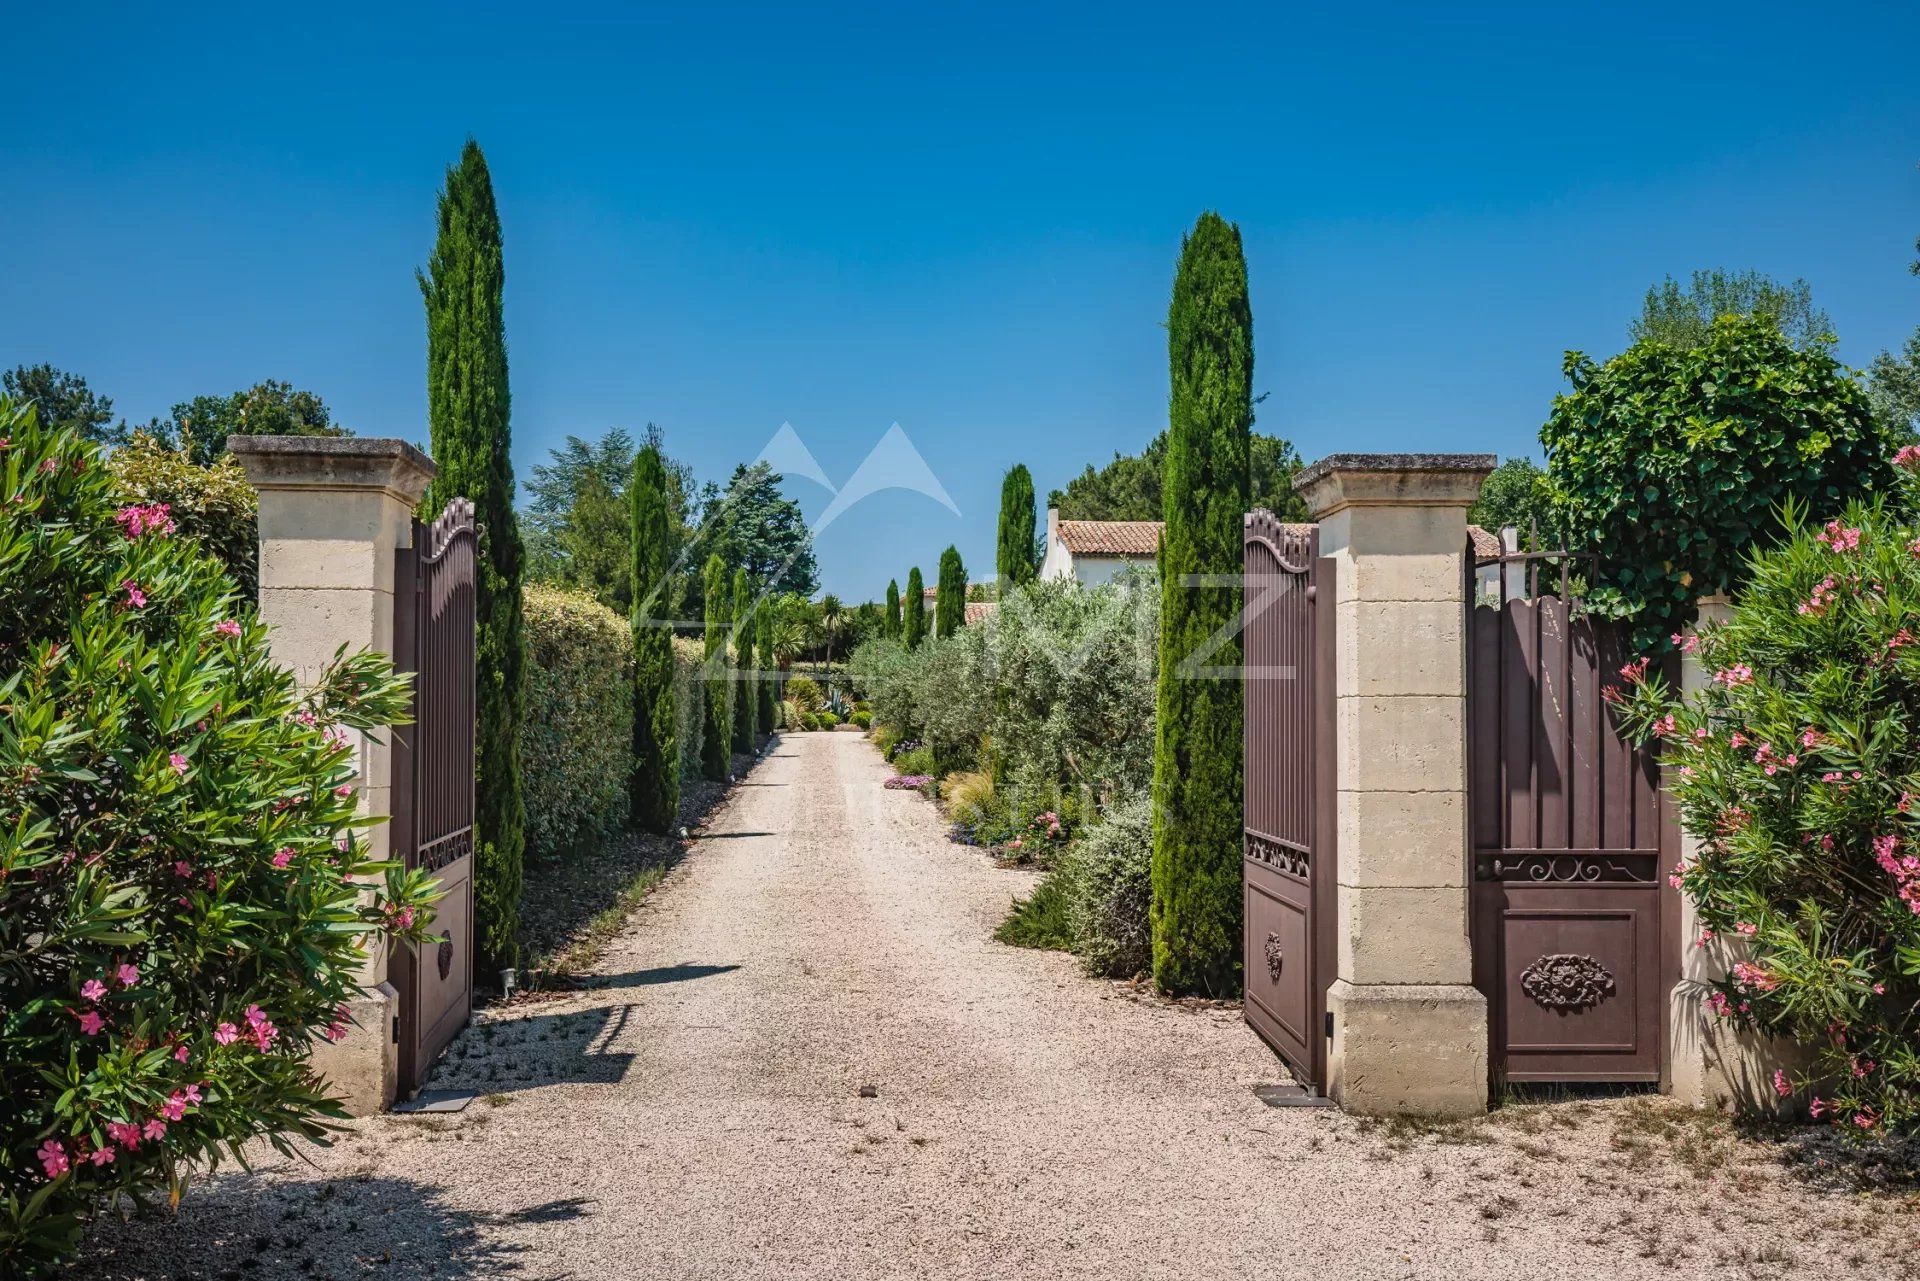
{"type": "Point", "coordinates": [502, 1056]}
{"type": "Point", "coordinates": [302, 1225]}
{"type": "Point", "coordinates": [658, 975]}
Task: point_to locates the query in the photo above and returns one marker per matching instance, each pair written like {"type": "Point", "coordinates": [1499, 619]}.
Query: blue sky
{"type": "Point", "coordinates": [962, 220]}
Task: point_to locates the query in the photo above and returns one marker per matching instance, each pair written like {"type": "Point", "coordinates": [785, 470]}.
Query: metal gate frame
{"type": "Point", "coordinates": [435, 603]}
{"type": "Point", "coordinates": [1288, 867]}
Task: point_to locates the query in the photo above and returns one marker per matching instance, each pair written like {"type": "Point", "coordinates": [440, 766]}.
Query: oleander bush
{"type": "Point", "coordinates": [212, 504]}
{"type": "Point", "coordinates": [182, 907]}
{"type": "Point", "coordinates": [1800, 766]}
{"type": "Point", "coordinates": [576, 740]}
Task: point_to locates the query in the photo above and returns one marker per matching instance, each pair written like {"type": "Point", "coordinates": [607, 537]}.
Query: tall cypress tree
{"type": "Point", "coordinates": [655, 790]}
{"type": "Point", "coordinates": [745, 701]}
{"type": "Point", "coordinates": [950, 597]}
{"type": "Point", "coordinates": [913, 610]}
{"type": "Point", "coordinates": [1014, 558]}
{"type": "Point", "coordinates": [471, 439]}
{"type": "Point", "coordinates": [716, 735]}
{"type": "Point", "coordinates": [1197, 782]}
{"type": "Point", "coordinates": [890, 620]}
{"type": "Point", "coordinates": [765, 684]}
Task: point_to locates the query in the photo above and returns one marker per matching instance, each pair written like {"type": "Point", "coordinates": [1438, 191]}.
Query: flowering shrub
{"type": "Point", "coordinates": [1799, 765]}
{"type": "Point", "coordinates": [179, 916]}
{"type": "Point", "coordinates": [907, 782]}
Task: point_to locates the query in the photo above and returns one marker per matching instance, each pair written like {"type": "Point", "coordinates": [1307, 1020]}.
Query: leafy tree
{"type": "Point", "coordinates": [1515, 494]}
{"type": "Point", "coordinates": [468, 415]}
{"type": "Point", "coordinates": [950, 596]}
{"type": "Point", "coordinates": [655, 792]}
{"type": "Point", "coordinates": [1671, 463]}
{"type": "Point", "coordinates": [1015, 561]}
{"type": "Point", "coordinates": [766, 681]}
{"type": "Point", "coordinates": [1683, 317]}
{"type": "Point", "coordinates": [792, 629]}
{"type": "Point", "coordinates": [267, 408]}
{"type": "Point", "coordinates": [1197, 721]}
{"type": "Point", "coordinates": [913, 607]}
{"type": "Point", "coordinates": [717, 733]}
{"type": "Point", "coordinates": [890, 625]}
{"type": "Point", "coordinates": [594, 544]}
{"type": "Point", "coordinates": [66, 403]}
{"type": "Point", "coordinates": [1130, 487]}
{"type": "Point", "coordinates": [745, 700]}
{"type": "Point", "coordinates": [831, 614]}
{"type": "Point", "coordinates": [1893, 382]}
{"type": "Point", "coordinates": [752, 525]}
{"type": "Point", "coordinates": [576, 519]}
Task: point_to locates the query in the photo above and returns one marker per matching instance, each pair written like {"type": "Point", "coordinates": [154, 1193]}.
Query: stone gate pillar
{"type": "Point", "coordinates": [332, 513]}
{"type": "Point", "coordinates": [1409, 1027]}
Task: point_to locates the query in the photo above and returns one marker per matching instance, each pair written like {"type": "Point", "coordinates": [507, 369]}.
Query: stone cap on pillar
{"type": "Point", "coordinates": [389, 465]}
{"type": "Point", "coordinates": [1340, 481]}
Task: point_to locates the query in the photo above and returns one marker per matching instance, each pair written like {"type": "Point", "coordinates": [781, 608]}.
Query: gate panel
{"type": "Point", "coordinates": [434, 636]}
{"type": "Point", "coordinates": [1287, 864]}
{"type": "Point", "coordinates": [1569, 912]}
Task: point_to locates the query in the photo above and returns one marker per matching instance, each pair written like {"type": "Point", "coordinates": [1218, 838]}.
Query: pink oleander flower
{"type": "Point", "coordinates": [1908, 457]}
{"type": "Point", "coordinates": [264, 1035]}
{"type": "Point", "coordinates": [227, 627]}
{"type": "Point", "coordinates": [1737, 740]}
{"type": "Point", "coordinates": [304, 717]}
{"type": "Point", "coordinates": [1861, 1067]}
{"type": "Point", "coordinates": [125, 1133]}
{"type": "Point", "coordinates": [282, 857]}
{"type": "Point", "coordinates": [1757, 977]}
{"type": "Point", "coordinates": [136, 599]}
{"type": "Point", "coordinates": [226, 1034]}
{"type": "Point", "coordinates": [193, 1095]}
{"type": "Point", "coordinates": [179, 1056]}
{"type": "Point", "coordinates": [127, 974]}
{"type": "Point", "coordinates": [1664, 727]}
{"type": "Point", "coordinates": [403, 919]}
{"type": "Point", "coordinates": [1747, 928]}
{"type": "Point", "coordinates": [1635, 672]}
{"type": "Point", "coordinates": [256, 1015]}
{"type": "Point", "coordinates": [335, 1031]}
{"type": "Point", "coordinates": [93, 990]}
{"type": "Point", "coordinates": [343, 791]}
{"type": "Point", "coordinates": [177, 763]}
{"type": "Point", "coordinates": [1781, 1086]}
{"type": "Point", "coordinates": [1831, 776]}
{"type": "Point", "coordinates": [103, 1155]}
{"type": "Point", "coordinates": [155, 1129]}
{"type": "Point", "coordinates": [1838, 537]}
{"type": "Point", "coordinates": [92, 1024]}
{"type": "Point", "coordinates": [1818, 1107]}
{"type": "Point", "coordinates": [141, 519]}
{"type": "Point", "coordinates": [1865, 1120]}
{"type": "Point", "coordinates": [174, 1108]}
{"type": "Point", "coordinates": [1879, 989]}
{"type": "Point", "coordinates": [1685, 642]}
{"type": "Point", "coordinates": [1738, 674]}
{"type": "Point", "coordinates": [53, 1158]}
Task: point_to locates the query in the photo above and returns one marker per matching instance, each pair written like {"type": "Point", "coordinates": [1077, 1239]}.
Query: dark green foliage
{"type": "Point", "coordinates": [1130, 487]}
{"type": "Point", "coordinates": [1516, 494]}
{"type": "Point", "coordinates": [1671, 463]}
{"type": "Point", "coordinates": [768, 700]}
{"type": "Point", "coordinates": [1014, 558]}
{"type": "Point", "coordinates": [1197, 722]}
{"type": "Point", "coordinates": [950, 599]}
{"type": "Point", "coordinates": [1684, 317]}
{"type": "Point", "coordinates": [66, 403]}
{"type": "Point", "coordinates": [1041, 919]}
{"type": "Point", "coordinates": [654, 793]}
{"type": "Point", "coordinates": [576, 740]}
{"type": "Point", "coordinates": [753, 525]}
{"type": "Point", "coordinates": [717, 734]}
{"type": "Point", "coordinates": [269, 408]}
{"type": "Point", "coordinates": [577, 516]}
{"type": "Point", "coordinates": [1893, 381]}
{"type": "Point", "coordinates": [213, 505]}
{"type": "Point", "coordinates": [913, 606]}
{"type": "Point", "coordinates": [745, 700]}
{"type": "Point", "coordinates": [467, 411]}
{"type": "Point", "coordinates": [890, 624]}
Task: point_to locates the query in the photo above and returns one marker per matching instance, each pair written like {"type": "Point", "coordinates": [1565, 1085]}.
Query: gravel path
{"type": "Point", "coordinates": [701, 1116]}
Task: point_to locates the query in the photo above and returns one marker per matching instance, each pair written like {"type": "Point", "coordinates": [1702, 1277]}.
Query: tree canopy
{"type": "Point", "coordinates": [1130, 487]}
{"type": "Point", "coordinates": [1683, 317]}
{"type": "Point", "coordinates": [752, 525]}
{"type": "Point", "coordinates": [267, 408]}
{"type": "Point", "coordinates": [66, 403]}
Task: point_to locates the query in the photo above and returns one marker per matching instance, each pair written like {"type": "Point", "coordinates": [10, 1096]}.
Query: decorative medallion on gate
{"type": "Point", "coordinates": [1566, 981]}
{"type": "Point", "coordinates": [1275, 957]}
{"type": "Point", "coordinates": [446, 955]}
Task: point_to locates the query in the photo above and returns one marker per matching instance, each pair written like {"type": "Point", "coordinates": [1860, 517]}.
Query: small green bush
{"type": "Point", "coordinates": [689, 703]}
{"type": "Point", "coordinates": [1041, 919]}
{"type": "Point", "coordinates": [862, 718]}
{"type": "Point", "coordinates": [576, 740]}
{"type": "Point", "coordinates": [1108, 872]}
{"type": "Point", "coordinates": [917, 761]}
{"type": "Point", "coordinates": [805, 691]}
{"type": "Point", "coordinates": [213, 505]}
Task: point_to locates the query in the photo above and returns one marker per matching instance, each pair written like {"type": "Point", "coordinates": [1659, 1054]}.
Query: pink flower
{"type": "Point", "coordinates": [1635, 672]}
{"type": "Point", "coordinates": [1831, 776]}
{"type": "Point", "coordinates": [343, 791]}
{"type": "Point", "coordinates": [227, 627]}
{"type": "Point", "coordinates": [177, 762]}
{"type": "Point", "coordinates": [1781, 1086]}
{"type": "Point", "coordinates": [179, 1056]}
{"type": "Point", "coordinates": [193, 1094]}
{"type": "Point", "coordinates": [264, 1035]}
{"type": "Point", "coordinates": [92, 1024]}
{"type": "Point", "coordinates": [125, 1133]}
{"type": "Point", "coordinates": [1818, 1107]}
{"type": "Point", "coordinates": [1879, 989]}
{"type": "Point", "coordinates": [282, 857]}
{"type": "Point", "coordinates": [226, 1034]}
{"type": "Point", "coordinates": [1738, 674]}
{"type": "Point", "coordinates": [256, 1015]}
{"type": "Point", "coordinates": [182, 868]}
{"type": "Point", "coordinates": [1865, 1120]}
{"type": "Point", "coordinates": [93, 989]}
{"type": "Point", "coordinates": [174, 1108]}
{"type": "Point", "coordinates": [1838, 537]}
{"type": "Point", "coordinates": [155, 1128]}
{"type": "Point", "coordinates": [128, 975]}
{"type": "Point", "coordinates": [1908, 457]}
{"type": "Point", "coordinates": [136, 598]}
{"type": "Point", "coordinates": [1747, 928]}
{"type": "Point", "coordinates": [53, 1158]}
{"type": "Point", "coordinates": [335, 1031]}
{"type": "Point", "coordinates": [1759, 978]}
{"type": "Point", "coordinates": [141, 519]}
{"type": "Point", "coordinates": [102, 1156]}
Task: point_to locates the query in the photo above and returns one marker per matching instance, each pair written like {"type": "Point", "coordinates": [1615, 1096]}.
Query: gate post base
{"type": "Point", "coordinates": [362, 1068]}
{"type": "Point", "coordinates": [1408, 1049]}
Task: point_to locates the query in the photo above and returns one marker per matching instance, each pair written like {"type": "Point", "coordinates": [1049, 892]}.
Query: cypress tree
{"type": "Point", "coordinates": [745, 700]}
{"type": "Point", "coordinates": [716, 736]}
{"type": "Point", "coordinates": [766, 682]}
{"type": "Point", "coordinates": [913, 610]}
{"type": "Point", "coordinates": [655, 789]}
{"type": "Point", "coordinates": [890, 621]}
{"type": "Point", "coordinates": [950, 597]}
{"type": "Point", "coordinates": [1197, 783]}
{"type": "Point", "coordinates": [1014, 559]}
{"type": "Point", "coordinates": [470, 435]}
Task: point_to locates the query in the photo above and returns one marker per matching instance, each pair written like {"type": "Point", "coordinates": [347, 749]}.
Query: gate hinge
{"type": "Point", "coordinates": [1329, 1025]}
{"type": "Point", "coordinates": [396, 1028]}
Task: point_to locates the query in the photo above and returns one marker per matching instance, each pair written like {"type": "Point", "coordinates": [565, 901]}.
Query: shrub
{"type": "Point", "coordinates": [654, 790]}
{"type": "Point", "coordinates": [1109, 890]}
{"type": "Point", "coordinates": [805, 691]}
{"type": "Point", "coordinates": [181, 908]}
{"type": "Point", "coordinates": [576, 742]}
{"type": "Point", "coordinates": [862, 718]}
{"type": "Point", "coordinates": [1040, 919]}
{"type": "Point", "coordinates": [917, 761]}
{"type": "Point", "coordinates": [213, 505]}
{"type": "Point", "coordinates": [689, 704]}
{"type": "Point", "coordinates": [1670, 462]}
{"type": "Point", "coordinates": [1799, 765]}
{"type": "Point", "coordinates": [716, 731]}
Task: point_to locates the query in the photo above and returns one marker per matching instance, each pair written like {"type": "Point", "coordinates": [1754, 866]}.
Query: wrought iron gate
{"type": "Point", "coordinates": [1573, 925]}
{"type": "Point", "coordinates": [434, 614]}
{"type": "Point", "coordinates": [1288, 850]}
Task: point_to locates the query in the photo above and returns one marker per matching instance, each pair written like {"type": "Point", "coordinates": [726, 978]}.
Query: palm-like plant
{"type": "Point", "coordinates": [832, 612]}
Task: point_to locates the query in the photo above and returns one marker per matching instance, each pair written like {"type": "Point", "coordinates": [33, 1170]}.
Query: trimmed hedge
{"type": "Point", "coordinates": [576, 741]}
{"type": "Point", "coordinates": [689, 703]}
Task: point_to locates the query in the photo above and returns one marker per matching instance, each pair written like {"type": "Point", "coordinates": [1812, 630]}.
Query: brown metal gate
{"type": "Point", "coordinates": [1571, 918]}
{"type": "Point", "coordinates": [1288, 849]}
{"type": "Point", "coordinates": [434, 604]}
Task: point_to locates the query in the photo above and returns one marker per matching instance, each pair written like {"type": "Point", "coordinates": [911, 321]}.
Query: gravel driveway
{"type": "Point", "coordinates": [701, 1115]}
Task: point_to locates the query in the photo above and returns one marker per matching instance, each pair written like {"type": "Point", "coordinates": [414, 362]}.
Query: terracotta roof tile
{"type": "Point", "coordinates": [1111, 537]}
{"type": "Point", "coordinates": [977, 610]}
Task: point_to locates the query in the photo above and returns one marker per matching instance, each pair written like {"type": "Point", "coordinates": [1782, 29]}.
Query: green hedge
{"type": "Point", "coordinates": [576, 742]}
{"type": "Point", "coordinates": [689, 702]}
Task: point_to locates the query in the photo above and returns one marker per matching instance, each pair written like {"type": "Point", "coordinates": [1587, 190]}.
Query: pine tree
{"type": "Point", "coordinates": [890, 621]}
{"type": "Point", "coordinates": [717, 735]}
{"type": "Point", "coordinates": [745, 700]}
{"type": "Point", "coordinates": [765, 684]}
{"type": "Point", "coordinates": [655, 790]}
{"type": "Point", "coordinates": [913, 610]}
{"type": "Point", "coordinates": [950, 597]}
{"type": "Point", "coordinates": [1197, 783]}
{"type": "Point", "coordinates": [1014, 559]}
{"type": "Point", "coordinates": [470, 433]}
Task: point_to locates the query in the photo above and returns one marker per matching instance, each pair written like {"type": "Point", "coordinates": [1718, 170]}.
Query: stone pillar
{"type": "Point", "coordinates": [332, 513]}
{"type": "Point", "coordinates": [1710, 1063]}
{"type": "Point", "coordinates": [1409, 1027]}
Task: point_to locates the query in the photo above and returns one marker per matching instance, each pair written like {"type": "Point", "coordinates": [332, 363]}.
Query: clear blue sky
{"type": "Point", "coordinates": [964, 222]}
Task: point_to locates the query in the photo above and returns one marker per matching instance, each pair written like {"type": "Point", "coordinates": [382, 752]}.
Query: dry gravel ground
{"type": "Point", "coordinates": [700, 1114]}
